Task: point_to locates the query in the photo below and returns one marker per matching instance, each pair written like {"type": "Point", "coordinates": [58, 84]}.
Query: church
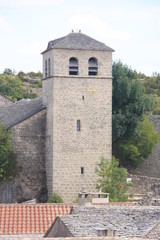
{"type": "Point", "coordinates": [59, 138]}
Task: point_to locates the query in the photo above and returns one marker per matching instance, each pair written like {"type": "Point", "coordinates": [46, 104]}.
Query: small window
{"type": "Point", "coordinates": [92, 66]}
{"type": "Point", "coordinates": [82, 97]}
{"type": "Point", "coordinates": [82, 170]}
{"type": "Point", "coordinates": [45, 68]}
{"type": "Point", "coordinates": [78, 126]}
{"type": "Point", "coordinates": [73, 66]}
{"type": "Point", "coordinates": [49, 67]}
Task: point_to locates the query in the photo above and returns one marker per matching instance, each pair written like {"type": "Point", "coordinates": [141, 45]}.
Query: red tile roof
{"type": "Point", "coordinates": [29, 218]}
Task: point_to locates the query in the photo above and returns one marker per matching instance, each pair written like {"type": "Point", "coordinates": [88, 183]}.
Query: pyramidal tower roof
{"type": "Point", "coordinates": [77, 41]}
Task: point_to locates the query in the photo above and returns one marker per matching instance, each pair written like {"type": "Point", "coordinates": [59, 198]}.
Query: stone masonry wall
{"type": "Point", "coordinates": [47, 90]}
{"type": "Point", "coordinates": [154, 233]}
{"type": "Point", "coordinates": [60, 62]}
{"type": "Point", "coordinates": [71, 98]}
{"type": "Point", "coordinates": [4, 101]}
{"type": "Point", "coordinates": [29, 143]}
{"type": "Point", "coordinates": [142, 184]}
{"type": "Point", "coordinates": [72, 149]}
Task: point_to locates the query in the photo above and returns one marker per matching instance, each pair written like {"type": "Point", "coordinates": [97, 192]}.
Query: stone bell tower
{"type": "Point", "coordinates": [77, 89]}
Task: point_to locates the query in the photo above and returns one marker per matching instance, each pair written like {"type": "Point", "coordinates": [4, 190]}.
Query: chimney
{"type": "Point", "coordinates": [106, 232]}
{"type": "Point", "coordinates": [83, 198]}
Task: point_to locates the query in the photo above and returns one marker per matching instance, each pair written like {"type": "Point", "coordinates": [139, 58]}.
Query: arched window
{"type": "Point", "coordinates": [78, 126]}
{"type": "Point", "coordinates": [73, 66]}
{"type": "Point", "coordinates": [45, 68]}
{"type": "Point", "coordinates": [49, 67]}
{"type": "Point", "coordinates": [92, 66]}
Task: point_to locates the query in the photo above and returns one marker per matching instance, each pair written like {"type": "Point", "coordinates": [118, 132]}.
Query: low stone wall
{"type": "Point", "coordinates": [142, 184]}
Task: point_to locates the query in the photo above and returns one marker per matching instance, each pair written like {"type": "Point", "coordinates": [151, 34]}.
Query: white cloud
{"type": "Point", "coordinates": [21, 3]}
{"type": "Point", "coordinates": [3, 23]}
{"type": "Point", "coordinates": [101, 28]}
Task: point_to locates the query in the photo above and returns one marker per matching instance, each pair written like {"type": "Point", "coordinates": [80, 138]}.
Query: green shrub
{"type": "Point", "coordinates": [112, 180]}
{"type": "Point", "coordinates": [136, 149]}
{"type": "Point", "coordinates": [55, 199]}
{"type": "Point", "coordinates": [8, 164]}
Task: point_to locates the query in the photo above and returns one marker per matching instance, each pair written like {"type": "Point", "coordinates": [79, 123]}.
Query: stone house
{"type": "Point", "coordinates": [123, 222]}
{"type": "Point", "coordinates": [60, 137]}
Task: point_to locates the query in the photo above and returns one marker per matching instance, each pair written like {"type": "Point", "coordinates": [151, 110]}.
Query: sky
{"type": "Point", "coordinates": [130, 27]}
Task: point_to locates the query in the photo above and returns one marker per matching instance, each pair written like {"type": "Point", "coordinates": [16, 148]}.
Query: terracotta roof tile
{"type": "Point", "coordinates": [29, 218]}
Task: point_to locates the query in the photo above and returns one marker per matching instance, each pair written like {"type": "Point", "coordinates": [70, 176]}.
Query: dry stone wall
{"type": "Point", "coordinates": [143, 184]}
{"type": "Point", "coordinates": [29, 143]}
{"type": "Point", "coordinates": [4, 101]}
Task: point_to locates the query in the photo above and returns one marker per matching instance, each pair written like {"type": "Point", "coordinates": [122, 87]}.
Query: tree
{"type": "Point", "coordinates": [133, 136]}
{"type": "Point", "coordinates": [7, 71]}
{"type": "Point", "coordinates": [112, 180]}
{"type": "Point", "coordinates": [12, 87]}
{"type": "Point", "coordinates": [152, 84]}
{"type": "Point", "coordinates": [133, 151]}
{"type": "Point", "coordinates": [130, 102]}
{"type": "Point", "coordinates": [8, 164]}
{"type": "Point", "coordinates": [21, 75]}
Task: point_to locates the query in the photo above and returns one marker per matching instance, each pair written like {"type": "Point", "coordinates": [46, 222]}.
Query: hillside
{"type": "Point", "coordinates": [21, 85]}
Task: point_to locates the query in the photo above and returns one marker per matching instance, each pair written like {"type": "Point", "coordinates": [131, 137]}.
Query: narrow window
{"type": "Point", "coordinates": [82, 97]}
{"type": "Point", "coordinates": [73, 66]}
{"type": "Point", "coordinates": [78, 126]}
{"type": "Point", "coordinates": [82, 170]}
{"type": "Point", "coordinates": [92, 66]}
{"type": "Point", "coordinates": [45, 68]}
{"type": "Point", "coordinates": [49, 67]}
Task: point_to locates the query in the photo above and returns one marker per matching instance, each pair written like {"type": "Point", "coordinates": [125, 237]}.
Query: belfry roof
{"type": "Point", "coordinates": [77, 41]}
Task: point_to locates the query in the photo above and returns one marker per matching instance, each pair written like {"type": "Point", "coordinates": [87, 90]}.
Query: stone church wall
{"type": "Point", "coordinates": [29, 141]}
{"type": "Point", "coordinates": [71, 98]}
{"type": "Point", "coordinates": [74, 149]}
{"type": "Point", "coordinates": [48, 100]}
{"type": "Point", "coordinates": [4, 101]}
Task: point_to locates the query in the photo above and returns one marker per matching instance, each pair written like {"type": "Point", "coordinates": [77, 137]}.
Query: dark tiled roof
{"type": "Point", "coordinates": [29, 218]}
{"type": "Point", "coordinates": [128, 221]}
{"type": "Point", "coordinates": [78, 41]}
{"type": "Point", "coordinates": [19, 111]}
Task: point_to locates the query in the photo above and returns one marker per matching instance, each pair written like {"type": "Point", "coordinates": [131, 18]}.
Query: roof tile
{"type": "Point", "coordinates": [29, 219]}
{"type": "Point", "coordinates": [77, 41]}
{"type": "Point", "coordinates": [20, 111]}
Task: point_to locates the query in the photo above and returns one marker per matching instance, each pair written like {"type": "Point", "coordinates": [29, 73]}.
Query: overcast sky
{"type": "Point", "coordinates": [130, 27]}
